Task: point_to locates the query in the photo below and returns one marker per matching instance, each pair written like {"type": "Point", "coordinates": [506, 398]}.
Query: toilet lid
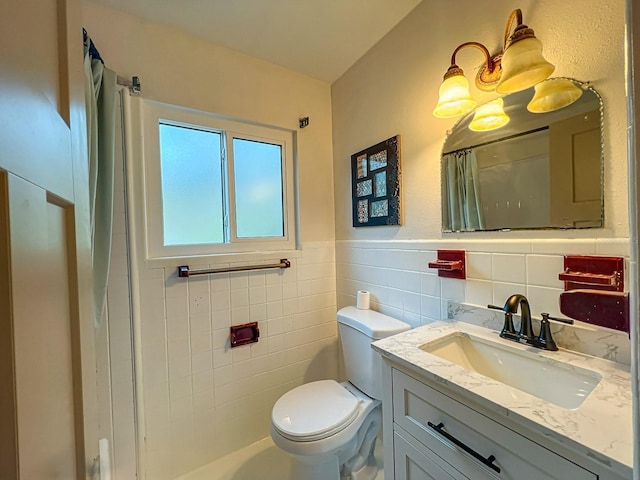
{"type": "Point", "coordinates": [314, 410]}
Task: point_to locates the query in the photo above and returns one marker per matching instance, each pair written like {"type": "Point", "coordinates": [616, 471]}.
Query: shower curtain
{"type": "Point", "coordinates": [100, 91]}
{"type": "Point", "coordinates": [465, 210]}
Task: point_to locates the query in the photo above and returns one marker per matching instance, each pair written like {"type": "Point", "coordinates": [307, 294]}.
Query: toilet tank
{"type": "Point", "coordinates": [358, 328]}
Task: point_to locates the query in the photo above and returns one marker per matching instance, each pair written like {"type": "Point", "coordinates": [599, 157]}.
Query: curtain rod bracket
{"type": "Point", "coordinates": [134, 85]}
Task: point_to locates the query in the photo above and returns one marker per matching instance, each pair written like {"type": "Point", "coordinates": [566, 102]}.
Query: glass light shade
{"type": "Point", "coordinates": [454, 99]}
{"type": "Point", "coordinates": [489, 116]}
{"type": "Point", "coordinates": [523, 66]}
{"type": "Point", "coordinates": [553, 94]}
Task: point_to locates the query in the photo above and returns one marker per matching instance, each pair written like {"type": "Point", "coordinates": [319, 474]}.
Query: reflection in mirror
{"type": "Point", "coordinates": [539, 171]}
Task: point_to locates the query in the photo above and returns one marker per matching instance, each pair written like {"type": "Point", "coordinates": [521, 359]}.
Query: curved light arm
{"type": "Point", "coordinates": [515, 15]}
{"type": "Point", "coordinates": [489, 63]}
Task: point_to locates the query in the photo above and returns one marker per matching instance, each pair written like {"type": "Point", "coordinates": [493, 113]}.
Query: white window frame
{"type": "Point", "coordinates": [155, 113]}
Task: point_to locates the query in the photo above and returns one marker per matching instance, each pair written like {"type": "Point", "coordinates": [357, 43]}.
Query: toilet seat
{"type": "Point", "coordinates": [314, 411]}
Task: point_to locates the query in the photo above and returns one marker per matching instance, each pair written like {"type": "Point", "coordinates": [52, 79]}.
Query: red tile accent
{"type": "Point", "coordinates": [450, 264]}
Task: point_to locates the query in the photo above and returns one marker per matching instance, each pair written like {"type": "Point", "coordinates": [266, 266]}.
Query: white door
{"type": "Point", "coordinates": [47, 400]}
{"type": "Point", "coordinates": [575, 171]}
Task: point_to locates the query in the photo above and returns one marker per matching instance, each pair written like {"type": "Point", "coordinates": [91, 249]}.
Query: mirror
{"type": "Point", "coordinates": [540, 171]}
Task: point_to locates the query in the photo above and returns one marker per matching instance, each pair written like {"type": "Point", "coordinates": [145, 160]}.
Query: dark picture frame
{"type": "Point", "coordinates": [375, 184]}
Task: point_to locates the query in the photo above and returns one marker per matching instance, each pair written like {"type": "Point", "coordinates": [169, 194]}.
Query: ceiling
{"type": "Point", "coordinates": [318, 38]}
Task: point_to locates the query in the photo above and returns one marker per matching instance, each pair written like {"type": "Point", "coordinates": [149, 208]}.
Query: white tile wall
{"type": "Point", "coordinates": [402, 285]}
{"type": "Point", "coordinates": [203, 399]}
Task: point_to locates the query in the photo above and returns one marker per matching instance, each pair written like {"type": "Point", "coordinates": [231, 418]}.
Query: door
{"type": "Point", "coordinates": [575, 171]}
{"type": "Point", "coordinates": [47, 402]}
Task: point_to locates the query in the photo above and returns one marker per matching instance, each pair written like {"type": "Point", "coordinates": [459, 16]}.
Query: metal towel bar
{"type": "Point", "coordinates": [185, 272]}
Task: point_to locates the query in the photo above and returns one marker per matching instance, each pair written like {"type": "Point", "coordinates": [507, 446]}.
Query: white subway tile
{"type": "Point", "coordinates": [543, 270]}
{"type": "Point", "coordinates": [479, 292]}
{"type": "Point", "coordinates": [502, 291]}
{"type": "Point", "coordinates": [411, 281]}
{"type": "Point", "coordinates": [452, 289]}
{"type": "Point", "coordinates": [274, 292]}
{"type": "Point", "coordinates": [479, 266]}
{"type": "Point", "coordinates": [238, 280]}
{"type": "Point", "coordinates": [509, 268]}
{"type": "Point", "coordinates": [430, 306]}
{"type": "Point", "coordinates": [221, 319]}
{"type": "Point", "coordinates": [239, 298]}
{"type": "Point", "coordinates": [542, 299]}
{"type": "Point", "coordinates": [577, 246]}
{"type": "Point", "coordinates": [430, 284]}
{"type": "Point", "coordinates": [411, 302]}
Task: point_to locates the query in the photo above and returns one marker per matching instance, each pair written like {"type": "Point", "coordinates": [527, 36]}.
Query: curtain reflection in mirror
{"type": "Point", "coordinates": [464, 211]}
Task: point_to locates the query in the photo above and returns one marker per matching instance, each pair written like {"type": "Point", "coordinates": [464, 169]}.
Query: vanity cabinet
{"type": "Point", "coordinates": [433, 432]}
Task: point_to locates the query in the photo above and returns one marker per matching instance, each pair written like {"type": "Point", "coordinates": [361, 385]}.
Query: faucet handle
{"type": "Point", "coordinates": [508, 330]}
{"type": "Point", "coordinates": [544, 339]}
{"type": "Point", "coordinates": [556, 319]}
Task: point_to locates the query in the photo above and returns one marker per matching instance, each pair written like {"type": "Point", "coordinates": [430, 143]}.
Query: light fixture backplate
{"type": "Point", "coordinates": [487, 81]}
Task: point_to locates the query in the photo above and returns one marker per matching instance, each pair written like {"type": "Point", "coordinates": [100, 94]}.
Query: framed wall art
{"type": "Point", "coordinates": [375, 184]}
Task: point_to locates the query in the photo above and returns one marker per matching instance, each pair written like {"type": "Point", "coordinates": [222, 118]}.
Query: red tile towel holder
{"type": "Point", "coordinates": [594, 291]}
{"type": "Point", "coordinates": [450, 264]}
{"type": "Point", "coordinates": [595, 273]}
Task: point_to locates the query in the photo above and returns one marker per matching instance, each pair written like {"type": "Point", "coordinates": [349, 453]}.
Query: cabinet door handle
{"type": "Point", "coordinates": [488, 461]}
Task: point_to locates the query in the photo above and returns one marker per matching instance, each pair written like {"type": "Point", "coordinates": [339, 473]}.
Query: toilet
{"type": "Point", "coordinates": [328, 428]}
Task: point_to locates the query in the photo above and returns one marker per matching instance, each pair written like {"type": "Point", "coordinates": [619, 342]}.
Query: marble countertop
{"type": "Point", "coordinates": [601, 428]}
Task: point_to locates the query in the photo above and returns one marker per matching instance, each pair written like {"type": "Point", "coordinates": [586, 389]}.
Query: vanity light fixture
{"type": "Point", "coordinates": [520, 66]}
{"type": "Point", "coordinates": [489, 116]}
{"type": "Point", "coordinates": [554, 94]}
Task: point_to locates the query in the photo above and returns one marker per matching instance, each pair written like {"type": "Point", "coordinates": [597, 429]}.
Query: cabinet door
{"type": "Point", "coordinates": [411, 464]}
{"type": "Point", "coordinates": [473, 444]}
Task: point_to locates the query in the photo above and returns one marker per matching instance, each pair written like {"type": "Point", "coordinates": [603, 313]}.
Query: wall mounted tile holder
{"type": "Point", "coordinates": [593, 272]}
{"type": "Point", "coordinates": [450, 264]}
{"type": "Point", "coordinates": [594, 291]}
{"type": "Point", "coordinates": [244, 334]}
{"type": "Point", "coordinates": [185, 272]}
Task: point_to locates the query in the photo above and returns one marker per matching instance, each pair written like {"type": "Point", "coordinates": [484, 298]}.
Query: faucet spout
{"type": "Point", "coordinates": [511, 306]}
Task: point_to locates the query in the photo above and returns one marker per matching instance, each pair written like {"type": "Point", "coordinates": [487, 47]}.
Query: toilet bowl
{"type": "Point", "coordinates": [329, 429]}
{"type": "Point", "coordinates": [326, 425]}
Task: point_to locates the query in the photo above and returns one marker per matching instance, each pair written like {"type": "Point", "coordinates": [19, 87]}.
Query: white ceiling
{"type": "Point", "coordinates": [319, 38]}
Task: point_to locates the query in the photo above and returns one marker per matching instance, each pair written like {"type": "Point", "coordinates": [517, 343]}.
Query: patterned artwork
{"type": "Point", "coordinates": [378, 160]}
{"type": "Point", "coordinates": [380, 208]}
{"type": "Point", "coordinates": [364, 188]}
{"type": "Point", "coordinates": [375, 184]}
{"type": "Point", "coordinates": [362, 166]}
{"type": "Point", "coordinates": [381, 184]}
{"type": "Point", "coordinates": [363, 211]}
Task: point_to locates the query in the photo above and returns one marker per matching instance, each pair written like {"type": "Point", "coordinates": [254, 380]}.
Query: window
{"type": "Point", "coordinates": [214, 185]}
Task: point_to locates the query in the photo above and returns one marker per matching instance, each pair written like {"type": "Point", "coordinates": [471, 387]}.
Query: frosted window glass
{"type": "Point", "coordinates": [257, 170]}
{"type": "Point", "coordinates": [191, 171]}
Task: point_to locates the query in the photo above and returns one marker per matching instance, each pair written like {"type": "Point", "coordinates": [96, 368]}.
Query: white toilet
{"type": "Point", "coordinates": [329, 428]}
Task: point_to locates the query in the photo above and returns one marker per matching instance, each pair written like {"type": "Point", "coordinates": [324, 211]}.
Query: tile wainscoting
{"type": "Point", "coordinates": [202, 399]}
{"type": "Point", "coordinates": [401, 284]}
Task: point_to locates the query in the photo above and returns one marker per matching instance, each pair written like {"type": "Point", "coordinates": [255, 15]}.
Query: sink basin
{"type": "Point", "coordinates": [557, 382]}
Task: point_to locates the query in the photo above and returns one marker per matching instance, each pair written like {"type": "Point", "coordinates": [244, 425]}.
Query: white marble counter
{"type": "Point", "coordinates": [599, 429]}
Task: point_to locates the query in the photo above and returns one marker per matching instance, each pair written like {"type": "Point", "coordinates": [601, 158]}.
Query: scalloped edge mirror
{"type": "Point", "coordinates": [539, 171]}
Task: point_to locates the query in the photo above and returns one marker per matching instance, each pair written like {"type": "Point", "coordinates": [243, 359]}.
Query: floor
{"type": "Point", "coordinates": [259, 461]}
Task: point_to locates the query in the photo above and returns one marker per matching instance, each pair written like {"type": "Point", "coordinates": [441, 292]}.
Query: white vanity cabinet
{"type": "Point", "coordinates": [434, 436]}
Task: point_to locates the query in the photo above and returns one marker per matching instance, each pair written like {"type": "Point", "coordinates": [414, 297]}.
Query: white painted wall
{"type": "Point", "coordinates": [394, 88]}
{"type": "Point", "coordinates": [183, 70]}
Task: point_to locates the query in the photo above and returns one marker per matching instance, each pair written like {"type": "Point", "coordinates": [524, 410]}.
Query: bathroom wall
{"type": "Point", "coordinates": [393, 90]}
{"type": "Point", "coordinates": [200, 399]}
{"type": "Point", "coordinates": [394, 87]}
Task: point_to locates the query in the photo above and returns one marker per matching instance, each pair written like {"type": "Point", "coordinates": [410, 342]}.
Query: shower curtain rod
{"type": "Point", "coordinates": [133, 85]}
{"type": "Point", "coordinates": [184, 272]}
